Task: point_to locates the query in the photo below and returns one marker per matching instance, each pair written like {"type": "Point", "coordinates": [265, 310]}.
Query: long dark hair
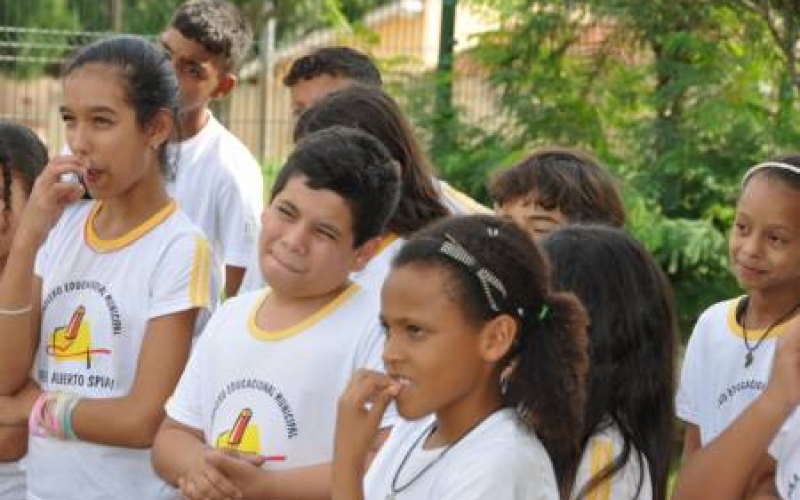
{"type": "Point", "coordinates": [546, 384]}
{"type": "Point", "coordinates": [146, 75]}
{"type": "Point", "coordinates": [632, 344]}
{"type": "Point", "coordinates": [375, 112]}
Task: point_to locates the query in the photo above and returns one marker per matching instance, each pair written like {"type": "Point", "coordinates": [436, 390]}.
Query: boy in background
{"type": "Point", "coordinates": [329, 69]}
{"type": "Point", "coordinates": [217, 180]}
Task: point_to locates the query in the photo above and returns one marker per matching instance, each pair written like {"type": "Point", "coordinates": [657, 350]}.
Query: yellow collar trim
{"type": "Point", "coordinates": [103, 246]}
{"type": "Point", "coordinates": [752, 335]}
{"type": "Point", "coordinates": [316, 317]}
{"type": "Point", "coordinates": [386, 240]}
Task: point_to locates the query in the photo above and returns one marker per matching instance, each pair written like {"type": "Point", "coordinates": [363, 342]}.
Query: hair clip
{"type": "Point", "coordinates": [492, 231]}
{"type": "Point", "coordinates": [488, 280]}
{"type": "Point", "coordinates": [544, 312]}
{"type": "Point", "coordinates": [520, 312]}
{"type": "Point", "coordinates": [769, 164]}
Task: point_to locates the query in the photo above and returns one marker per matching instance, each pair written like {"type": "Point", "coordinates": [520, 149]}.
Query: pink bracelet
{"type": "Point", "coordinates": [34, 419]}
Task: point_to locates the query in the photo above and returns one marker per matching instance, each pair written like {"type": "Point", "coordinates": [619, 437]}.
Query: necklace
{"type": "Point", "coordinates": [395, 489]}
{"type": "Point", "coordinates": [750, 356]}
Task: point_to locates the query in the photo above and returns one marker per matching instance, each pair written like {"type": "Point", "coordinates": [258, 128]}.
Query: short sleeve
{"type": "Point", "coordinates": [184, 406]}
{"type": "Point", "coordinates": [240, 206]}
{"type": "Point", "coordinates": [186, 277]}
{"type": "Point", "coordinates": [687, 398]}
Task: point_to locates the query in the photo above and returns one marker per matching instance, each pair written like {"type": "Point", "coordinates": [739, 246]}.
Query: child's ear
{"type": "Point", "coordinates": [226, 84]}
{"type": "Point", "coordinates": [159, 129]}
{"type": "Point", "coordinates": [365, 252]}
{"type": "Point", "coordinates": [498, 337]}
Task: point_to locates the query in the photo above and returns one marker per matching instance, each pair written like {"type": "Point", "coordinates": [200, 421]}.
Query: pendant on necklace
{"type": "Point", "coordinates": [748, 359]}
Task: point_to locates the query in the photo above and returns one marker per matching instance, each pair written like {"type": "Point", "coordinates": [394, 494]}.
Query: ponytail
{"type": "Point", "coordinates": [547, 384]}
{"type": "Point", "coordinates": [496, 269]}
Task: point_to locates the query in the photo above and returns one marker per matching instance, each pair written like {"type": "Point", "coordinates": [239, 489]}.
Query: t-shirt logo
{"type": "Point", "coordinates": [244, 437]}
{"type": "Point", "coordinates": [74, 341]}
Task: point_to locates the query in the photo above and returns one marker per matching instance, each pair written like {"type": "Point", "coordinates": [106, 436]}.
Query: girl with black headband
{"type": "Point", "coordinates": [465, 299]}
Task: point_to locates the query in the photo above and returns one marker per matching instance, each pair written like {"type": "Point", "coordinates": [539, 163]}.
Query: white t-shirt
{"type": "Point", "coordinates": [715, 387]}
{"type": "Point", "coordinates": [601, 450]}
{"type": "Point", "coordinates": [785, 449]}
{"type": "Point", "coordinates": [275, 393]}
{"type": "Point", "coordinates": [218, 184]}
{"type": "Point", "coordinates": [97, 297]}
{"type": "Point", "coordinates": [498, 460]}
{"type": "Point", "coordinates": [12, 482]}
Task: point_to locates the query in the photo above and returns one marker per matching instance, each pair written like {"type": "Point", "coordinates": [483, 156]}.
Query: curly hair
{"type": "Point", "coordinates": [218, 26]}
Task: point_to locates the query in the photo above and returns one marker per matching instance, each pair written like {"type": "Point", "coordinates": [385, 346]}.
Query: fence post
{"type": "Point", "coordinates": [116, 16]}
{"type": "Point", "coordinates": [444, 77]}
{"type": "Point", "coordinates": [267, 56]}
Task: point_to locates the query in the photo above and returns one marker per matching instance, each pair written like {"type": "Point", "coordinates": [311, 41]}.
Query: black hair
{"type": "Point", "coordinates": [218, 26]}
{"type": "Point", "coordinates": [632, 344]}
{"type": "Point", "coordinates": [788, 177]}
{"type": "Point", "coordinates": [21, 153]}
{"type": "Point", "coordinates": [352, 164]}
{"type": "Point", "coordinates": [146, 75]}
{"type": "Point", "coordinates": [372, 110]}
{"type": "Point", "coordinates": [547, 383]}
{"type": "Point", "coordinates": [344, 62]}
{"type": "Point", "coordinates": [564, 179]}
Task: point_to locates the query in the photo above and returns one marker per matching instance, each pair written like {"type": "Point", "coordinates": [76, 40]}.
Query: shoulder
{"type": "Point", "coordinates": [239, 309]}
{"type": "Point", "coordinates": [502, 444]}
{"type": "Point", "coordinates": [459, 203]}
{"type": "Point", "coordinates": [718, 313]}
{"type": "Point", "coordinates": [71, 222]}
{"type": "Point", "coordinates": [231, 150]}
{"type": "Point", "coordinates": [717, 319]}
{"type": "Point", "coordinates": [602, 449]}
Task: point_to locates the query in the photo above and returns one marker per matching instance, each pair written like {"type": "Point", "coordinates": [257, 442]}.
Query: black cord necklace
{"type": "Point", "coordinates": [750, 356]}
{"type": "Point", "coordinates": [395, 489]}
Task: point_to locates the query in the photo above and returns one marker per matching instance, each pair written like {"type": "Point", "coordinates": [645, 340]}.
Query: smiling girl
{"type": "Point", "coordinates": [730, 354]}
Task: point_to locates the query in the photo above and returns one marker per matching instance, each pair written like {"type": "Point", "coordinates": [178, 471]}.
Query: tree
{"type": "Point", "coordinates": [676, 96]}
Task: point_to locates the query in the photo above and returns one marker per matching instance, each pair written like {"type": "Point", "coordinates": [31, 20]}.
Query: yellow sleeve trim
{"type": "Point", "coordinates": [199, 283]}
{"type": "Point", "coordinates": [601, 456]}
{"type": "Point", "coordinates": [307, 323]}
{"type": "Point", "coordinates": [104, 246]}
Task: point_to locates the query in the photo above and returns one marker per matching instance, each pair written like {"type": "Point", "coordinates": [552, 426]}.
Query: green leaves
{"type": "Point", "coordinates": [677, 97]}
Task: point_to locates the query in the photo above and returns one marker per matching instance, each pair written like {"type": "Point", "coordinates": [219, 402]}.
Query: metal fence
{"type": "Point", "coordinates": [402, 36]}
